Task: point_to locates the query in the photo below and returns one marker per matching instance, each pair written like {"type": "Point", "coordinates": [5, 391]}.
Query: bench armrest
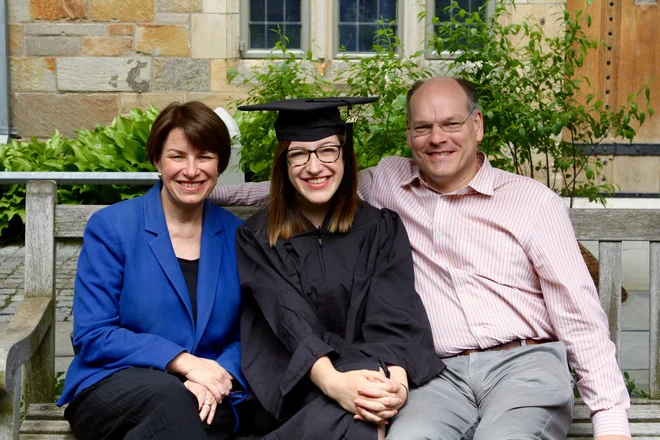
{"type": "Point", "coordinates": [21, 339]}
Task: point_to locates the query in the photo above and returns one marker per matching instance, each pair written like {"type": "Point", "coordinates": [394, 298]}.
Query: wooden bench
{"type": "Point", "coordinates": [29, 339]}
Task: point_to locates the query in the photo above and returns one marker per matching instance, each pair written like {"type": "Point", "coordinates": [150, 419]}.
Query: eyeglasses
{"type": "Point", "coordinates": [425, 128]}
{"type": "Point", "coordinates": [297, 157]}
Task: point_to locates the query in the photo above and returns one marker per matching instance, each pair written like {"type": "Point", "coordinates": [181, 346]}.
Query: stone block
{"type": "Point", "coordinates": [219, 82]}
{"type": "Point", "coordinates": [18, 11]}
{"type": "Point", "coordinates": [121, 29]}
{"type": "Point", "coordinates": [32, 74]}
{"type": "Point", "coordinates": [65, 29]}
{"type": "Point", "coordinates": [104, 74]}
{"type": "Point", "coordinates": [15, 39]}
{"type": "Point", "coordinates": [162, 40]}
{"type": "Point", "coordinates": [179, 5]}
{"type": "Point", "coordinates": [181, 75]}
{"type": "Point", "coordinates": [52, 46]}
{"type": "Point", "coordinates": [207, 42]}
{"type": "Point", "coordinates": [107, 46]}
{"type": "Point", "coordinates": [212, 100]}
{"type": "Point", "coordinates": [173, 19]}
{"type": "Point", "coordinates": [221, 6]}
{"type": "Point", "coordinates": [144, 100]}
{"type": "Point", "coordinates": [122, 10]}
{"type": "Point", "coordinates": [58, 9]}
{"type": "Point", "coordinates": [39, 114]}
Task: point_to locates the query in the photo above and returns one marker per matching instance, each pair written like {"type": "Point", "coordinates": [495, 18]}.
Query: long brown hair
{"type": "Point", "coordinates": [284, 217]}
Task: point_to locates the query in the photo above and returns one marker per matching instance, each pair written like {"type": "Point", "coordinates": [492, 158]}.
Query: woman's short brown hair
{"type": "Point", "coordinates": [203, 128]}
{"type": "Point", "coordinates": [285, 219]}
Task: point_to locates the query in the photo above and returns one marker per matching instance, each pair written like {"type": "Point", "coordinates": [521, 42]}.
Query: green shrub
{"type": "Point", "coordinates": [117, 147]}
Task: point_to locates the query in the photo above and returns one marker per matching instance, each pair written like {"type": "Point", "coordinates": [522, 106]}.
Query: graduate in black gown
{"type": "Point", "coordinates": [333, 333]}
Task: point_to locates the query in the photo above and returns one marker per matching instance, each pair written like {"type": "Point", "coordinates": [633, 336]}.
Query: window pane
{"type": "Point", "coordinates": [257, 8]}
{"type": "Point", "coordinates": [257, 36]}
{"type": "Point", "coordinates": [363, 16]}
{"type": "Point", "coordinates": [368, 11]}
{"type": "Point", "coordinates": [348, 37]}
{"type": "Point", "coordinates": [293, 31]}
{"type": "Point", "coordinates": [292, 12]}
{"type": "Point", "coordinates": [275, 10]}
{"type": "Point", "coordinates": [348, 11]}
{"type": "Point", "coordinates": [267, 16]}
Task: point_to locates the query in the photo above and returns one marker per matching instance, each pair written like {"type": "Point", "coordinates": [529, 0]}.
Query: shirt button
{"type": "Point", "coordinates": [438, 234]}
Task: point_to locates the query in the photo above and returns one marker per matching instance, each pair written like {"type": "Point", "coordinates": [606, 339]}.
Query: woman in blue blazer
{"type": "Point", "coordinates": [157, 299]}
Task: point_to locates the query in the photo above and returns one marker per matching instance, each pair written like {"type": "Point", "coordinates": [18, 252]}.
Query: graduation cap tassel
{"type": "Point", "coordinates": [350, 120]}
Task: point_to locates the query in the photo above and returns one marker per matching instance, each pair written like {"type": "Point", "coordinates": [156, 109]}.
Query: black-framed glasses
{"type": "Point", "coordinates": [425, 128]}
{"type": "Point", "coordinates": [297, 157]}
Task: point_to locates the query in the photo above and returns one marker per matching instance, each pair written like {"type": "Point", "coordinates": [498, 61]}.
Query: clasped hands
{"type": "Point", "coordinates": [206, 379]}
{"type": "Point", "coordinates": [370, 395]}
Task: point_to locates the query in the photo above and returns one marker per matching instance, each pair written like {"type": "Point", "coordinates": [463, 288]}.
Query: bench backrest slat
{"type": "Point", "coordinates": [40, 239]}
{"type": "Point", "coordinates": [616, 224]}
{"type": "Point", "coordinates": [654, 315]}
{"type": "Point", "coordinates": [609, 282]}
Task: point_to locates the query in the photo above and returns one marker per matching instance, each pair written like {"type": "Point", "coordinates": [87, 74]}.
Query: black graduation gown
{"type": "Point", "coordinates": [347, 295]}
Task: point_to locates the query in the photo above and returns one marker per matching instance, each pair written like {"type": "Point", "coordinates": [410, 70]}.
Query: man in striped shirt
{"type": "Point", "coordinates": [499, 271]}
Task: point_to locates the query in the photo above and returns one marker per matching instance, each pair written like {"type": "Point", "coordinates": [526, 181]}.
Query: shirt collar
{"type": "Point", "coordinates": [482, 182]}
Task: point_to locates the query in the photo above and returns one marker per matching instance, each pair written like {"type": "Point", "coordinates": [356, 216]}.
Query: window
{"type": "Point", "coordinates": [442, 10]}
{"type": "Point", "coordinates": [266, 22]}
{"type": "Point", "coordinates": [358, 23]}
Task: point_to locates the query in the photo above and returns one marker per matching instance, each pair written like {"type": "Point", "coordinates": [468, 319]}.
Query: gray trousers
{"type": "Point", "coordinates": [521, 393]}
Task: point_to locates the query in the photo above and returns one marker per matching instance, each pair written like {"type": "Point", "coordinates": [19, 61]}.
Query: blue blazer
{"type": "Point", "coordinates": [131, 304]}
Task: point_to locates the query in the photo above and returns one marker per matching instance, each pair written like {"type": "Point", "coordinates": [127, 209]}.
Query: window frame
{"type": "Point", "coordinates": [244, 43]}
{"type": "Point", "coordinates": [356, 55]}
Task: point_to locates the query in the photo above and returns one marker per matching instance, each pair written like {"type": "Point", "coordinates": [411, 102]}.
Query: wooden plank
{"type": "Point", "coordinates": [654, 311]}
{"type": "Point", "coordinates": [636, 414]}
{"type": "Point", "coordinates": [616, 224]}
{"type": "Point", "coordinates": [45, 427]}
{"type": "Point", "coordinates": [70, 220]}
{"type": "Point", "coordinates": [45, 411]}
{"type": "Point", "coordinates": [47, 437]}
{"type": "Point", "coordinates": [636, 429]}
{"type": "Point", "coordinates": [610, 288]}
{"type": "Point", "coordinates": [10, 406]}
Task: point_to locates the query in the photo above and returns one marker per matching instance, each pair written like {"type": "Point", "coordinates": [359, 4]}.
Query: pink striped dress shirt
{"type": "Point", "coordinates": [494, 262]}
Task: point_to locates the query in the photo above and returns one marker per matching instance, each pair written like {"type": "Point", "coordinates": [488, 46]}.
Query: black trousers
{"type": "Point", "coordinates": [139, 403]}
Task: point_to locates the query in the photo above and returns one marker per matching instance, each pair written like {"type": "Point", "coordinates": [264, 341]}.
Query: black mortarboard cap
{"type": "Point", "coordinates": [311, 119]}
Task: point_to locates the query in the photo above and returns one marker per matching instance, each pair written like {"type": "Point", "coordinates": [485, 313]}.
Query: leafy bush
{"type": "Point", "coordinates": [530, 86]}
{"type": "Point", "coordinates": [117, 147]}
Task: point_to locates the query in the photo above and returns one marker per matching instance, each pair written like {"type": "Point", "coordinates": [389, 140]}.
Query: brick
{"type": "Point", "coordinates": [220, 6]}
{"type": "Point", "coordinates": [163, 40]}
{"type": "Point", "coordinates": [179, 5]}
{"type": "Point", "coordinates": [65, 30]}
{"type": "Point", "coordinates": [121, 29]}
{"type": "Point", "coordinates": [107, 46]}
{"type": "Point", "coordinates": [208, 43]}
{"type": "Point", "coordinates": [57, 9]}
{"type": "Point", "coordinates": [181, 75]}
{"type": "Point", "coordinates": [15, 39]}
{"type": "Point", "coordinates": [122, 10]}
{"type": "Point", "coordinates": [18, 11]}
{"type": "Point", "coordinates": [144, 100]}
{"type": "Point", "coordinates": [39, 114]}
{"type": "Point", "coordinates": [52, 46]}
{"type": "Point", "coordinates": [173, 19]}
{"type": "Point", "coordinates": [32, 74]}
{"type": "Point", "coordinates": [104, 74]}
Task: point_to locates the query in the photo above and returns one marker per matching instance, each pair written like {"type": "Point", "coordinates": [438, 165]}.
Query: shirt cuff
{"type": "Point", "coordinates": [613, 421]}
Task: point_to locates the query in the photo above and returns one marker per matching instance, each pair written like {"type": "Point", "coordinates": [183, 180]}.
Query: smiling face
{"type": "Point", "coordinates": [315, 182]}
{"type": "Point", "coordinates": [447, 161]}
{"type": "Point", "coordinates": [188, 174]}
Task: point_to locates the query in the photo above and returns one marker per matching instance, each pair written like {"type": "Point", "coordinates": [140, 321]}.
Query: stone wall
{"type": "Point", "coordinates": [78, 63]}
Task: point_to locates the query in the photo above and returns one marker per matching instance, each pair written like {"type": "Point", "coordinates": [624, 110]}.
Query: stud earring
{"type": "Point", "coordinates": [160, 175]}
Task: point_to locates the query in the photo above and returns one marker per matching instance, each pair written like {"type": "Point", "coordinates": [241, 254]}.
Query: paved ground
{"type": "Point", "coordinates": [634, 338]}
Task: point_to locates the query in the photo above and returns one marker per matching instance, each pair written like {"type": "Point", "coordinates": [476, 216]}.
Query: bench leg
{"type": "Point", "coordinates": [10, 410]}
{"type": "Point", "coordinates": [40, 371]}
